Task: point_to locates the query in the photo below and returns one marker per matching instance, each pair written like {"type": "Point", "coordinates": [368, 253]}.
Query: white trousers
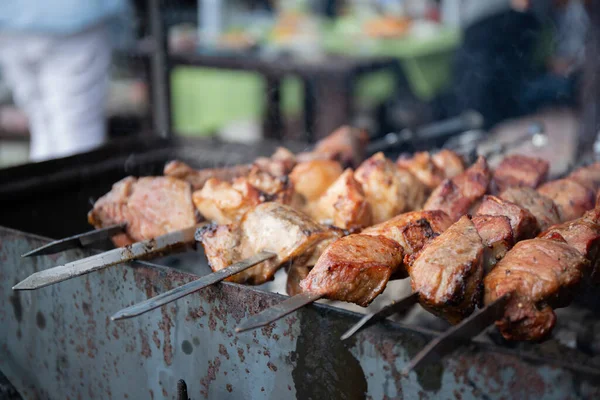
{"type": "Point", "coordinates": [61, 83]}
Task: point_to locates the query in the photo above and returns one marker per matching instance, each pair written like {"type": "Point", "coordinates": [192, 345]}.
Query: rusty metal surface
{"type": "Point", "coordinates": [59, 343]}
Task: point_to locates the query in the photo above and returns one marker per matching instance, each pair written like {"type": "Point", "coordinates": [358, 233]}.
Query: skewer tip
{"type": "Point", "coordinates": [25, 284]}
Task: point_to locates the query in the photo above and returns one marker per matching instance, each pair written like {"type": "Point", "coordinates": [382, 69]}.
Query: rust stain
{"type": "Point", "coordinates": [165, 326]}
{"type": "Point", "coordinates": [240, 352]}
{"type": "Point", "coordinates": [155, 339]}
{"type": "Point", "coordinates": [195, 313]}
{"type": "Point", "coordinates": [146, 351]}
{"type": "Point", "coordinates": [272, 366]}
{"type": "Point", "coordinates": [211, 375]}
{"type": "Point", "coordinates": [229, 387]}
{"type": "Point", "coordinates": [223, 351]}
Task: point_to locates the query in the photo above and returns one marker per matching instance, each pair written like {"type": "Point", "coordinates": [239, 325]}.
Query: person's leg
{"type": "Point", "coordinates": [18, 61]}
{"type": "Point", "coordinates": [74, 84]}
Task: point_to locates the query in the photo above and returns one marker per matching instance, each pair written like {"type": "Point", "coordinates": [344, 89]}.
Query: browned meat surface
{"type": "Point", "coordinates": [151, 206]}
{"type": "Point", "coordinates": [543, 209]}
{"type": "Point", "coordinates": [422, 166]}
{"type": "Point", "coordinates": [273, 188]}
{"type": "Point", "coordinates": [541, 274]}
{"type": "Point", "coordinates": [588, 176]}
{"type": "Point", "coordinates": [225, 203]}
{"type": "Point", "coordinates": [343, 205]}
{"type": "Point", "coordinates": [450, 163]}
{"type": "Point", "coordinates": [458, 195]}
{"type": "Point", "coordinates": [355, 269]}
{"type": "Point", "coordinates": [412, 230]}
{"type": "Point", "coordinates": [523, 223]}
{"type": "Point", "coordinates": [584, 235]}
{"type": "Point", "coordinates": [279, 164]}
{"type": "Point", "coordinates": [302, 265]}
{"type": "Point", "coordinates": [520, 171]}
{"type": "Point", "coordinates": [571, 198]}
{"type": "Point", "coordinates": [346, 145]}
{"type": "Point", "coordinates": [270, 227]}
{"type": "Point", "coordinates": [197, 178]}
{"type": "Point", "coordinates": [312, 178]}
{"type": "Point", "coordinates": [389, 190]}
{"type": "Point", "coordinates": [497, 237]}
{"type": "Point", "coordinates": [448, 273]}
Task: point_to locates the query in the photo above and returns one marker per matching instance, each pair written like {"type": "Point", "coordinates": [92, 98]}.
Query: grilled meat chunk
{"type": "Point", "coordinates": [225, 203]}
{"type": "Point", "coordinates": [344, 204]}
{"type": "Point", "coordinates": [543, 209]}
{"type": "Point", "coordinates": [302, 265]}
{"type": "Point", "coordinates": [572, 199]}
{"type": "Point", "coordinates": [312, 178]}
{"type": "Point", "coordinates": [582, 234]}
{"type": "Point", "coordinates": [450, 163]}
{"type": "Point", "coordinates": [588, 176]}
{"type": "Point", "coordinates": [270, 227]}
{"type": "Point", "coordinates": [151, 206]}
{"type": "Point", "coordinates": [523, 223]}
{"type": "Point", "coordinates": [389, 190]}
{"type": "Point", "coordinates": [520, 171]}
{"type": "Point", "coordinates": [497, 236]}
{"type": "Point", "coordinates": [422, 166]}
{"type": "Point", "coordinates": [448, 273]}
{"type": "Point", "coordinates": [431, 170]}
{"type": "Point", "coordinates": [540, 274]}
{"type": "Point", "coordinates": [412, 230]}
{"type": "Point", "coordinates": [355, 269]}
{"type": "Point", "coordinates": [197, 178]}
{"type": "Point", "coordinates": [346, 145]}
{"type": "Point", "coordinates": [458, 195]}
{"type": "Point", "coordinates": [279, 164]}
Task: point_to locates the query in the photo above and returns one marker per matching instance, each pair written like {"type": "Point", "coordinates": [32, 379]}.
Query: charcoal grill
{"type": "Point", "coordinates": [58, 342]}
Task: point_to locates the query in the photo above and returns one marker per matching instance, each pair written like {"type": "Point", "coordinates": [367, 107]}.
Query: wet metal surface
{"type": "Point", "coordinates": [58, 342]}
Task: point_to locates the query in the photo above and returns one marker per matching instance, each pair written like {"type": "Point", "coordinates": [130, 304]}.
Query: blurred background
{"type": "Point", "coordinates": [247, 70]}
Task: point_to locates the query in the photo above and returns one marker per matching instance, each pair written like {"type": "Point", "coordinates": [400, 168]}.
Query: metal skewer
{"type": "Point", "coordinates": [191, 287]}
{"type": "Point", "coordinates": [382, 313]}
{"type": "Point", "coordinates": [278, 311]}
{"type": "Point", "coordinates": [107, 259]}
{"type": "Point", "coordinates": [465, 331]}
{"type": "Point", "coordinates": [78, 241]}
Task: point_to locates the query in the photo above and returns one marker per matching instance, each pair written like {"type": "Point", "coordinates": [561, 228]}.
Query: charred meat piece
{"type": "Point", "coordinates": [151, 206]}
{"type": "Point", "coordinates": [389, 190]}
{"type": "Point", "coordinates": [422, 166]}
{"type": "Point", "coordinates": [270, 227]}
{"type": "Point", "coordinates": [413, 230]}
{"type": "Point", "coordinates": [523, 223]}
{"type": "Point", "coordinates": [520, 171]}
{"type": "Point", "coordinates": [584, 235]}
{"type": "Point", "coordinates": [588, 176]}
{"type": "Point", "coordinates": [344, 204]}
{"type": "Point", "coordinates": [571, 198]}
{"type": "Point", "coordinates": [458, 195]}
{"type": "Point", "coordinates": [197, 178]}
{"type": "Point", "coordinates": [450, 163]}
{"type": "Point", "coordinates": [449, 271]}
{"type": "Point", "coordinates": [302, 265]}
{"type": "Point", "coordinates": [497, 236]}
{"type": "Point", "coordinates": [541, 275]}
{"type": "Point", "coordinates": [224, 202]}
{"type": "Point", "coordinates": [543, 209]}
{"type": "Point", "coordinates": [346, 145]}
{"type": "Point", "coordinates": [355, 269]}
{"type": "Point", "coordinates": [272, 188]}
{"type": "Point", "coordinates": [312, 178]}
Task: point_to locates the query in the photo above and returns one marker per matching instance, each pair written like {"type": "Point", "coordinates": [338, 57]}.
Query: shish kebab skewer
{"type": "Point", "coordinates": [303, 239]}
{"type": "Point", "coordinates": [58, 274]}
{"type": "Point", "coordinates": [464, 267]}
{"type": "Point", "coordinates": [142, 209]}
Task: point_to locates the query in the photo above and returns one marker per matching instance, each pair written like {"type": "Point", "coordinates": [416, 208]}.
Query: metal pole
{"type": "Point", "coordinates": [160, 73]}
